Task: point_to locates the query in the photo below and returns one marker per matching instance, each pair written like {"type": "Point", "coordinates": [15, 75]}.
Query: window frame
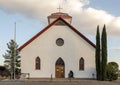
{"type": "Point", "coordinates": [59, 41]}
{"type": "Point", "coordinates": [38, 63]}
{"type": "Point", "coordinates": [81, 64]}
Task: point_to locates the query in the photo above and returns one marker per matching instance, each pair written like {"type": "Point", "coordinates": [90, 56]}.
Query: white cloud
{"type": "Point", "coordinates": [115, 48]}
{"type": "Point", "coordinates": [86, 20]}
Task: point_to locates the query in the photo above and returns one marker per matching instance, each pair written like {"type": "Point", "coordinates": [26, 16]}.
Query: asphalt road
{"type": "Point", "coordinates": [81, 82]}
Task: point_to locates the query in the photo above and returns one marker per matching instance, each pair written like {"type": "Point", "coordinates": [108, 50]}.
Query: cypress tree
{"type": "Point", "coordinates": [97, 55]}
{"type": "Point", "coordinates": [104, 52]}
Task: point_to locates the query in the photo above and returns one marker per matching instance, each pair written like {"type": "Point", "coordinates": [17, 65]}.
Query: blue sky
{"type": "Point", "coordinates": [31, 17]}
{"type": "Point", "coordinates": [111, 6]}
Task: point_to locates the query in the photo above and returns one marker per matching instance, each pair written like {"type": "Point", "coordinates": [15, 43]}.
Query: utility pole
{"type": "Point", "coordinates": [14, 58]}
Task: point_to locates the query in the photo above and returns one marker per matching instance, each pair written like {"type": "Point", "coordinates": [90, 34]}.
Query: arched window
{"type": "Point", "coordinates": [81, 64]}
{"type": "Point", "coordinates": [37, 63]}
{"type": "Point", "coordinates": [60, 62]}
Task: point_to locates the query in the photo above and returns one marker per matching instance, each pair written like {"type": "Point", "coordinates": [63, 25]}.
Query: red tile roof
{"type": "Point", "coordinates": [46, 28]}
{"type": "Point", "coordinates": [59, 14]}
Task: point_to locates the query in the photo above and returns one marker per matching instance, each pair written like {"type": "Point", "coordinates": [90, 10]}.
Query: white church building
{"type": "Point", "coordinates": [58, 49]}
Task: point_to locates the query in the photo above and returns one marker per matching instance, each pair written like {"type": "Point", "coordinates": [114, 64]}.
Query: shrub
{"type": "Point", "coordinates": [112, 68]}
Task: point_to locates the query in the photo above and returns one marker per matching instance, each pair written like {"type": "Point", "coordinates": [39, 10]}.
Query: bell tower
{"type": "Point", "coordinates": [56, 15]}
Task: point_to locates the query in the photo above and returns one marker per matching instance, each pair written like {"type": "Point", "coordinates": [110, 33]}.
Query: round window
{"type": "Point", "coordinates": [59, 41]}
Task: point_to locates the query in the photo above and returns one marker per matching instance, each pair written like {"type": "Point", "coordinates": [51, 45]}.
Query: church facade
{"type": "Point", "coordinates": [58, 49]}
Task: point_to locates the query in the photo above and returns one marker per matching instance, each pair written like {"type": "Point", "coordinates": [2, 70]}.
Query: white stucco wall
{"type": "Point", "coordinates": [45, 47]}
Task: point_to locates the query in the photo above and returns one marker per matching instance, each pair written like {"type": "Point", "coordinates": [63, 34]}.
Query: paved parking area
{"type": "Point", "coordinates": [80, 82]}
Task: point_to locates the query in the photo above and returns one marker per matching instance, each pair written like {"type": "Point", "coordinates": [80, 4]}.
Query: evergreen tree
{"type": "Point", "coordinates": [11, 62]}
{"type": "Point", "coordinates": [97, 55]}
{"type": "Point", "coordinates": [104, 52]}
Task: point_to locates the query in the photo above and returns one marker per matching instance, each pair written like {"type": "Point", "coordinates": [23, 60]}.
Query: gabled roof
{"type": "Point", "coordinates": [46, 28]}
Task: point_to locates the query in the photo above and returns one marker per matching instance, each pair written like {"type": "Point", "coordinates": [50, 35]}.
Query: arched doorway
{"type": "Point", "coordinates": [60, 68]}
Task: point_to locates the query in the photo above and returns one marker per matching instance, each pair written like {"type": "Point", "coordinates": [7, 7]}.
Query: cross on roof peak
{"type": "Point", "coordinates": [59, 8]}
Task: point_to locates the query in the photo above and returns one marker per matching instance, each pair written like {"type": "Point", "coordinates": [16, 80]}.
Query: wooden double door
{"type": "Point", "coordinates": [60, 71]}
{"type": "Point", "coordinates": [60, 68]}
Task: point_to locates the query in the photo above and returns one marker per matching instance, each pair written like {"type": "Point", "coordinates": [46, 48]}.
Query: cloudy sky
{"type": "Point", "coordinates": [31, 17]}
